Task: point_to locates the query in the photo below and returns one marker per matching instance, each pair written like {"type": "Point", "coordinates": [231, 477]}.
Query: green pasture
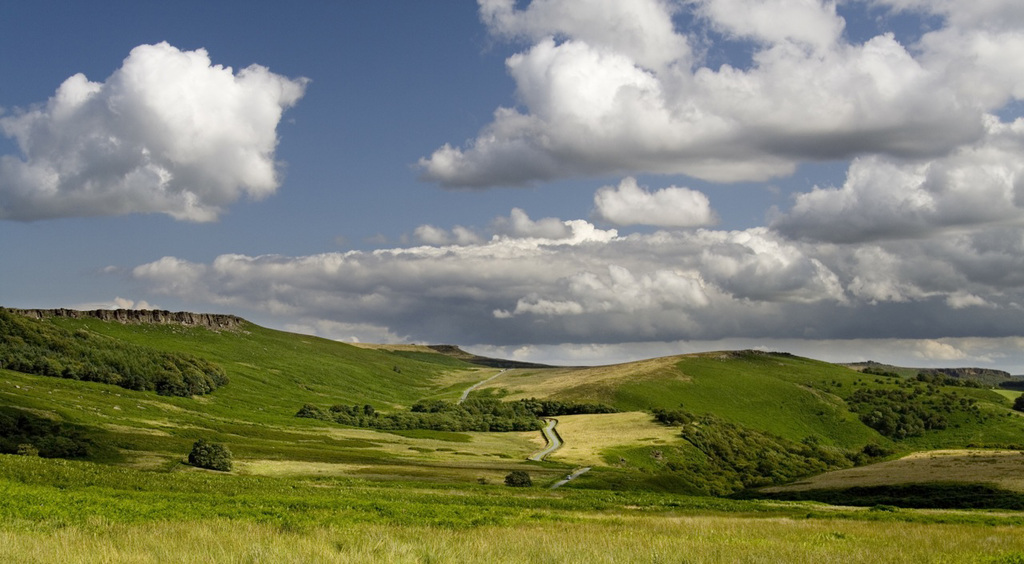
{"type": "Point", "coordinates": [53, 510]}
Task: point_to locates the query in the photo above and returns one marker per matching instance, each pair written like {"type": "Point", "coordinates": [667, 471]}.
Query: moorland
{"type": "Point", "coordinates": [344, 453]}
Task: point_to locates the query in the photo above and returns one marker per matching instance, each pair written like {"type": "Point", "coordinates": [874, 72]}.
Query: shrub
{"type": "Point", "coordinates": [213, 456]}
{"type": "Point", "coordinates": [518, 479]}
{"type": "Point", "coordinates": [1018, 404]}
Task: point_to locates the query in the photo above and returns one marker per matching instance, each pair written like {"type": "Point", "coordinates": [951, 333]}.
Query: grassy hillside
{"type": "Point", "coordinates": [805, 416]}
{"type": "Point", "coordinates": [271, 374]}
{"type": "Point", "coordinates": [290, 367]}
{"type": "Point", "coordinates": [780, 394]}
{"type": "Point", "coordinates": [45, 349]}
{"type": "Point", "coordinates": [792, 397]}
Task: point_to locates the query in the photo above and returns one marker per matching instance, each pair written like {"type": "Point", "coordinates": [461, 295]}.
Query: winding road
{"type": "Point", "coordinates": [465, 394]}
{"type": "Point", "coordinates": [571, 477]}
{"type": "Point", "coordinates": [554, 441]}
{"type": "Point", "coordinates": [550, 435]}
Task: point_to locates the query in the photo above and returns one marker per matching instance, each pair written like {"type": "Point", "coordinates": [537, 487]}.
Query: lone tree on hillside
{"type": "Point", "coordinates": [1018, 404]}
{"type": "Point", "coordinates": [213, 456]}
{"type": "Point", "coordinates": [518, 479]}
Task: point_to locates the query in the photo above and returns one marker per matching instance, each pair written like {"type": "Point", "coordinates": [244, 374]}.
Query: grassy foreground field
{"type": "Point", "coordinates": [611, 540]}
{"type": "Point", "coordinates": [60, 511]}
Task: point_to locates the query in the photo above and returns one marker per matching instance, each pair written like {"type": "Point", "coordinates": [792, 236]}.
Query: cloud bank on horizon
{"type": "Point", "coordinates": [921, 244]}
{"type": "Point", "coordinates": [168, 132]}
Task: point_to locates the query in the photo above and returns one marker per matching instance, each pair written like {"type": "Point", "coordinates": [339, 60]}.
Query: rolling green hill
{"type": "Point", "coordinates": [729, 420]}
{"type": "Point", "coordinates": [271, 374]}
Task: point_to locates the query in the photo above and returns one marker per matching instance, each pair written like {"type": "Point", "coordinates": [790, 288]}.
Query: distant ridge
{"type": "Point", "coordinates": [456, 352]}
{"type": "Point", "coordinates": [214, 321]}
{"type": "Point", "coordinates": [987, 376]}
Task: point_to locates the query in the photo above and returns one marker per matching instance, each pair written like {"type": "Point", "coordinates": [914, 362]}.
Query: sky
{"type": "Point", "coordinates": [573, 182]}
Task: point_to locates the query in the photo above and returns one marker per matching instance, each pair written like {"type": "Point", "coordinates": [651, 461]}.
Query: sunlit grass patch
{"type": "Point", "coordinates": [594, 384]}
{"type": "Point", "coordinates": [1004, 468]}
{"type": "Point", "coordinates": [587, 436]}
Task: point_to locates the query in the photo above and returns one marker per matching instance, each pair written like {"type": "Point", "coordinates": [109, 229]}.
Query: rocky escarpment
{"type": "Point", "coordinates": [214, 321]}
{"type": "Point", "coordinates": [986, 376]}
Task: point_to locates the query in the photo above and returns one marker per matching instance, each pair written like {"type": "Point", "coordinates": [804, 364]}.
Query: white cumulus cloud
{"type": "Point", "coordinates": [519, 225]}
{"type": "Point", "coordinates": [807, 22]}
{"type": "Point", "coordinates": [883, 198]}
{"type": "Point", "coordinates": [632, 204]}
{"type": "Point", "coordinates": [168, 132]}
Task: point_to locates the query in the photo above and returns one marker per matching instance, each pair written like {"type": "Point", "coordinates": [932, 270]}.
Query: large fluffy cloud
{"type": "Point", "coordinates": [599, 96]}
{"type": "Point", "coordinates": [168, 132]}
{"type": "Point", "coordinates": [884, 198]}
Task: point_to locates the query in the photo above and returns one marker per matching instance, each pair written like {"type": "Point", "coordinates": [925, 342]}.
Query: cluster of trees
{"type": "Point", "coordinates": [736, 457]}
{"type": "Point", "coordinates": [487, 415]}
{"type": "Point", "coordinates": [554, 408]}
{"type": "Point", "coordinates": [933, 377]}
{"type": "Point", "coordinates": [880, 372]}
{"type": "Point", "coordinates": [908, 412]}
{"type": "Point", "coordinates": [471, 415]}
{"type": "Point", "coordinates": [940, 379]}
{"type": "Point", "coordinates": [36, 347]}
{"type": "Point", "coordinates": [28, 434]}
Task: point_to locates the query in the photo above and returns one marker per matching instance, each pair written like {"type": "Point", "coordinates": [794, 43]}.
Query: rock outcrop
{"type": "Point", "coordinates": [213, 321]}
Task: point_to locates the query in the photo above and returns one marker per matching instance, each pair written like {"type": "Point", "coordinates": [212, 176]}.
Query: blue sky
{"type": "Point", "coordinates": [582, 182]}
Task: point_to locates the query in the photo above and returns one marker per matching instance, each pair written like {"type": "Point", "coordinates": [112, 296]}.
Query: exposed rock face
{"type": "Point", "coordinates": [214, 321]}
{"type": "Point", "coordinates": [973, 372]}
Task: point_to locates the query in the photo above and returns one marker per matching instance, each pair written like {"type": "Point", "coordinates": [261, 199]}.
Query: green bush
{"type": "Point", "coordinates": [1018, 404]}
{"type": "Point", "coordinates": [213, 456]}
{"type": "Point", "coordinates": [518, 479]}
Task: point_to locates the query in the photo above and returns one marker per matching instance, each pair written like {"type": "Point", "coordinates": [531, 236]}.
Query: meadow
{"type": "Point", "coordinates": [65, 511]}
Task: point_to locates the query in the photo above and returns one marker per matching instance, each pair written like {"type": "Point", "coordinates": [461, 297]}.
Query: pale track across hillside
{"type": "Point", "coordinates": [554, 443]}
{"type": "Point", "coordinates": [465, 394]}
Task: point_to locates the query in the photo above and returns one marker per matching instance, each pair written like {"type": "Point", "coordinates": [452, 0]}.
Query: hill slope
{"type": "Point", "coordinates": [271, 374]}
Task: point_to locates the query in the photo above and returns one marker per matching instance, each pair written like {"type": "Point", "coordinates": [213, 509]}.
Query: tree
{"type": "Point", "coordinates": [213, 456]}
{"type": "Point", "coordinates": [518, 479]}
{"type": "Point", "coordinates": [1018, 404]}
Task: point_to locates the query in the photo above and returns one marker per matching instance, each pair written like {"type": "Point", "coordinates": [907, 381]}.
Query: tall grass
{"type": "Point", "coordinates": [79, 512]}
{"type": "Point", "coordinates": [696, 539]}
